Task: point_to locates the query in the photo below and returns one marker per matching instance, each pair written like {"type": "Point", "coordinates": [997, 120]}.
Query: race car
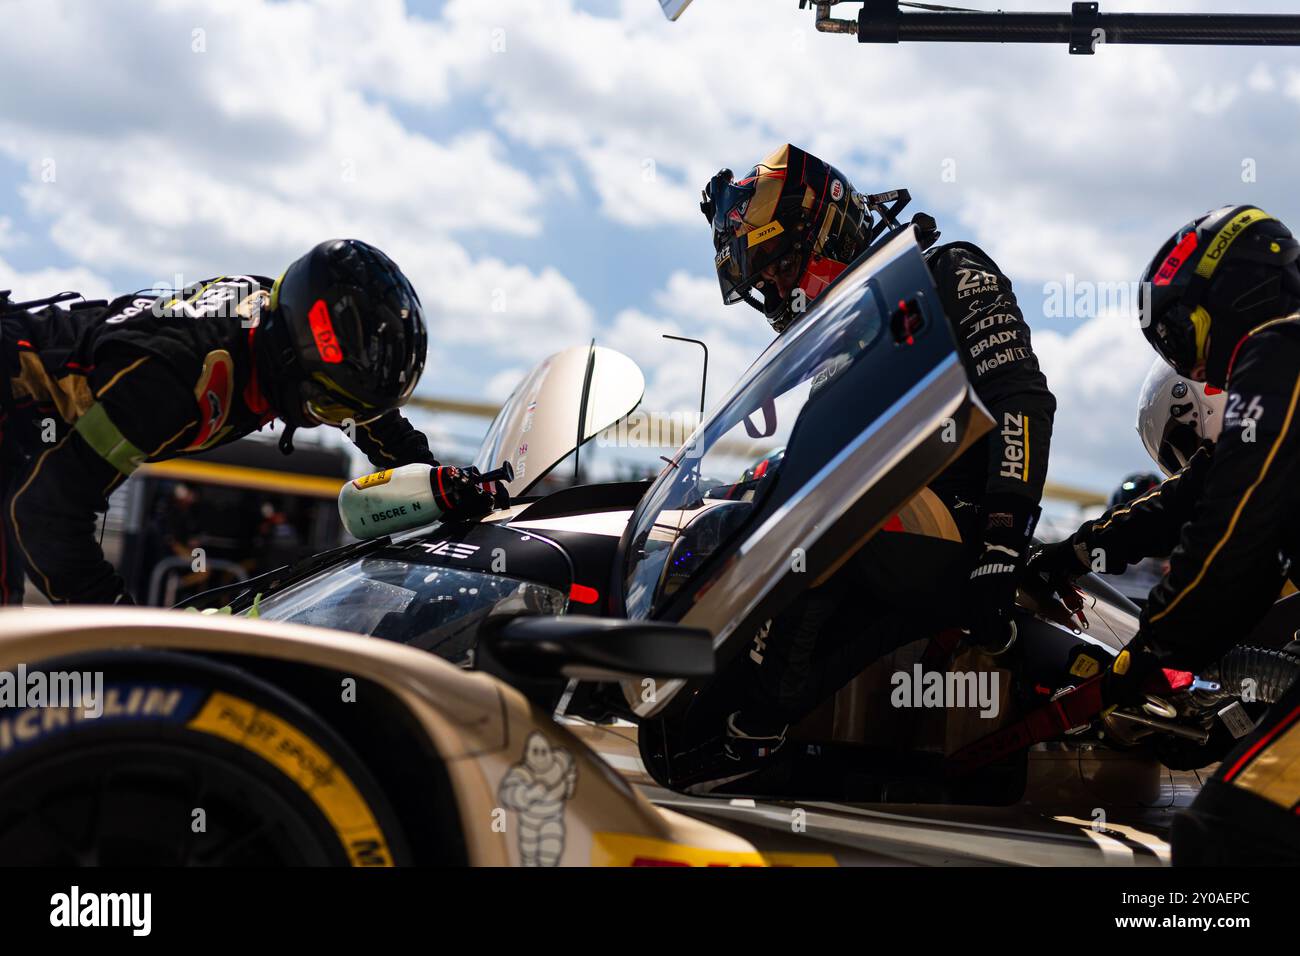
{"type": "Point", "coordinates": [521, 688]}
{"type": "Point", "coordinates": [221, 740]}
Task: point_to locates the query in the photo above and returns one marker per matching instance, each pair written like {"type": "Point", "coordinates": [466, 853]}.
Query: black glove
{"type": "Point", "coordinates": [927, 230]}
{"type": "Point", "coordinates": [991, 589]}
{"type": "Point", "coordinates": [459, 494]}
{"type": "Point", "coordinates": [419, 456]}
{"type": "Point", "coordinates": [1057, 565]}
{"type": "Point", "coordinates": [1131, 677]}
{"type": "Point", "coordinates": [412, 448]}
{"type": "Point", "coordinates": [391, 441]}
{"type": "Point", "coordinates": [709, 195]}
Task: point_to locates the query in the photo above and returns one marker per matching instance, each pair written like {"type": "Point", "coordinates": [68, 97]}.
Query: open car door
{"type": "Point", "coordinates": [567, 398]}
{"type": "Point", "coordinates": [842, 420]}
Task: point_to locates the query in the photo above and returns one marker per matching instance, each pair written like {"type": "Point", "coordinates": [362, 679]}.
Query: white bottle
{"type": "Point", "coordinates": [389, 501]}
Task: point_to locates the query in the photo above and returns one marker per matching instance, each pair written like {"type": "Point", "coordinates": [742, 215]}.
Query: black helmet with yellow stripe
{"type": "Point", "coordinates": [342, 338]}
{"type": "Point", "coordinates": [1212, 283]}
{"type": "Point", "coordinates": [786, 230]}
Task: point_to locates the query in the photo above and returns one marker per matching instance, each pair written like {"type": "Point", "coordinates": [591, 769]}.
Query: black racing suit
{"type": "Point", "coordinates": [917, 583]}
{"type": "Point", "coordinates": [1231, 516]}
{"type": "Point", "coordinates": [1232, 519]}
{"type": "Point", "coordinates": [993, 342]}
{"type": "Point", "coordinates": [88, 394]}
{"type": "Point", "coordinates": [1149, 525]}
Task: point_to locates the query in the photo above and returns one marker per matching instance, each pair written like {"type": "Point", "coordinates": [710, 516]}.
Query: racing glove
{"type": "Point", "coordinates": [459, 493]}
{"type": "Point", "coordinates": [1135, 673]}
{"type": "Point", "coordinates": [1058, 565]}
{"type": "Point", "coordinates": [991, 589]}
{"type": "Point", "coordinates": [391, 441]}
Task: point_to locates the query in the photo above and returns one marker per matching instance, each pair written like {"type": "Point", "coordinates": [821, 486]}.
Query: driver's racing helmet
{"type": "Point", "coordinates": [1176, 416]}
{"type": "Point", "coordinates": [1212, 283]}
{"type": "Point", "coordinates": [792, 215]}
{"type": "Point", "coordinates": [343, 337]}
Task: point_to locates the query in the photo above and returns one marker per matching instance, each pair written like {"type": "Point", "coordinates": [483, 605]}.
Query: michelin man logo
{"type": "Point", "coordinates": [536, 788]}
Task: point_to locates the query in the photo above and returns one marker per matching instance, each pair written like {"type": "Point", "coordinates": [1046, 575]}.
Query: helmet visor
{"type": "Point", "coordinates": [1179, 336]}
{"type": "Point", "coordinates": [1177, 445]}
{"type": "Point", "coordinates": [326, 408]}
{"type": "Point", "coordinates": [762, 258]}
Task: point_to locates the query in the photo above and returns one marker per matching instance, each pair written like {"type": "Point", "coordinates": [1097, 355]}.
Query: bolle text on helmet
{"type": "Point", "coordinates": [1226, 236]}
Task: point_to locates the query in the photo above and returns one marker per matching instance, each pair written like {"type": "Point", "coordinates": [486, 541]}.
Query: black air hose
{"type": "Point", "coordinates": [1272, 671]}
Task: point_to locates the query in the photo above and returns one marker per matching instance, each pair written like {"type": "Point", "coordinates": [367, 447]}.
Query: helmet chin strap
{"type": "Point", "coordinates": [280, 389]}
{"type": "Point", "coordinates": [289, 408]}
{"type": "Point", "coordinates": [286, 440]}
{"type": "Point", "coordinates": [289, 405]}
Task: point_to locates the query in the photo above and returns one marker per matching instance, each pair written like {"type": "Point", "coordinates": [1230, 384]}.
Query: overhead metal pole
{"type": "Point", "coordinates": [1082, 29]}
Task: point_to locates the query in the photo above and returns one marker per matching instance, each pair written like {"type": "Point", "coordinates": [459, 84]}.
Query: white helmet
{"type": "Point", "coordinates": [1175, 415]}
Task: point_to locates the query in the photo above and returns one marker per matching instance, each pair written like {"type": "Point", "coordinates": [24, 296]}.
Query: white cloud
{"type": "Point", "coordinates": [1058, 139]}
{"type": "Point", "coordinates": [150, 159]}
{"type": "Point", "coordinates": [1033, 249]}
{"type": "Point", "coordinates": [143, 152]}
{"type": "Point", "coordinates": [696, 298]}
{"type": "Point", "coordinates": [39, 283]}
{"type": "Point", "coordinates": [516, 312]}
{"type": "Point", "coordinates": [500, 385]}
{"type": "Point", "coordinates": [1213, 99]}
{"type": "Point", "coordinates": [689, 306]}
{"type": "Point", "coordinates": [1096, 373]}
{"type": "Point", "coordinates": [1261, 79]}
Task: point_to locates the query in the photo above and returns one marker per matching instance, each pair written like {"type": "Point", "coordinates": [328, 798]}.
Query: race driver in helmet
{"type": "Point", "coordinates": [1176, 416]}
{"type": "Point", "coordinates": [92, 391]}
{"type": "Point", "coordinates": [1221, 305]}
{"type": "Point", "coordinates": [782, 234]}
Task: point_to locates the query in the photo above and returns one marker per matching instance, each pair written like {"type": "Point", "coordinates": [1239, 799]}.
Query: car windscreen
{"type": "Point", "coordinates": [707, 494]}
{"type": "Point", "coordinates": [434, 608]}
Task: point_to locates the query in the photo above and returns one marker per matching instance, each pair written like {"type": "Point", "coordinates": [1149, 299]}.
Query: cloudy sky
{"type": "Point", "coordinates": [534, 165]}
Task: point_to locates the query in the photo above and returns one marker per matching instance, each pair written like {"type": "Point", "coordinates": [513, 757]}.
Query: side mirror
{"type": "Point", "coordinates": [599, 648]}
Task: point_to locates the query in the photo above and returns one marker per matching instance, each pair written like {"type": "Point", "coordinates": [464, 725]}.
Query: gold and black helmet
{"type": "Point", "coordinates": [1213, 282]}
{"type": "Point", "coordinates": [784, 231]}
